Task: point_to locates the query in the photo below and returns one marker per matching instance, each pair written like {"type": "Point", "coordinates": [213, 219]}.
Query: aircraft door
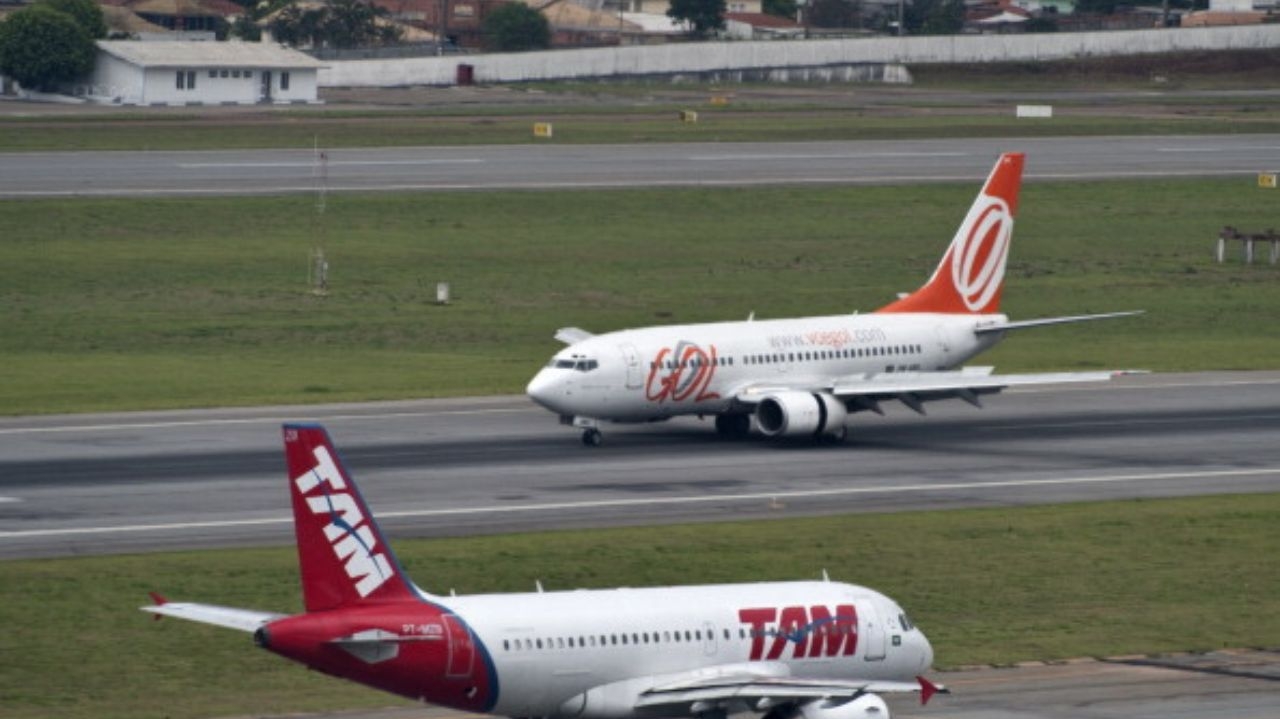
{"type": "Point", "coordinates": [709, 639]}
{"type": "Point", "coordinates": [631, 359]}
{"type": "Point", "coordinates": [462, 647]}
{"type": "Point", "coordinates": [944, 347]}
{"type": "Point", "coordinates": [873, 638]}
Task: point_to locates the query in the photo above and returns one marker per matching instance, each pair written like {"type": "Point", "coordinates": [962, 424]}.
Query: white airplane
{"type": "Point", "coordinates": [791, 650]}
{"type": "Point", "coordinates": [803, 377]}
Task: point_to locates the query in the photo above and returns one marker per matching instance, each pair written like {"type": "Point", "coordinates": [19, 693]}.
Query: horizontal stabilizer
{"type": "Point", "coordinates": [572, 335]}
{"type": "Point", "coordinates": [1024, 324]}
{"type": "Point", "coordinates": [245, 620]}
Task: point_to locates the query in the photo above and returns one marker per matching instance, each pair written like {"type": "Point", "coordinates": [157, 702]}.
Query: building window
{"type": "Point", "coordinates": [182, 80]}
{"type": "Point", "coordinates": [213, 73]}
{"type": "Point", "coordinates": [191, 79]}
{"type": "Point", "coordinates": [225, 73]}
{"type": "Point", "coordinates": [284, 81]}
{"type": "Point", "coordinates": [235, 73]}
{"type": "Point", "coordinates": [248, 74]}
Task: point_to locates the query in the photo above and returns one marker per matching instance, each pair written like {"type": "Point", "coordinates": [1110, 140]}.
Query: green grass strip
{"type": "Point", "coordinates": [986, 585]}
{"type": "Point", "coordinates": [574, 126]}
{"type": "Point", "coordinates": [129, 304]}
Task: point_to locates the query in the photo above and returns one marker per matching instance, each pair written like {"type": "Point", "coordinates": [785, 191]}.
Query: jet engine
{"type": "Point", "coordinates": [799, 414]}
{"type": "Point", "coordinates": [867, 706]}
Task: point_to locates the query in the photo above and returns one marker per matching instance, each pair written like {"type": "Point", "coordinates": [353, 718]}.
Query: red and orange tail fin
{"type": "Point", "coordinates": [970, 278]}
{"type": "Point", "coordinates": [342, 554]}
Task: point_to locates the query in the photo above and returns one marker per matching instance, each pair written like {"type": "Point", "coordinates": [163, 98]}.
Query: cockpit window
{"type": "Point", "coordinates": [577, 363]}
{"type": "Point", "coordinates": [905, 622]}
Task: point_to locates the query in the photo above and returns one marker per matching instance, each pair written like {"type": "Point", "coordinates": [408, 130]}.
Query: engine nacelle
{"type": "Point", "coordinates": [799, 414]}
{"type": "Point", "coordinates": [867, 706]}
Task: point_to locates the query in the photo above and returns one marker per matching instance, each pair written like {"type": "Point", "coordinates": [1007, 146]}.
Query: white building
{"type": "Point", "coordinates": [201, 73]}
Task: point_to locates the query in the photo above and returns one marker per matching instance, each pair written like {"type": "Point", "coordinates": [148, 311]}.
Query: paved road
{"type": "Point", "coordinates": [116, 483]}
{"type": "Point", "coordinates": [141, 174]}
{"type": "Point", "coordinates": [1222, 685]}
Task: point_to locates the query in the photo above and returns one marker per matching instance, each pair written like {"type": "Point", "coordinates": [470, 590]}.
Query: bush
{"type": "Point", "coordinates": [516, 27]}
{"type": "Point", "coordinates": [42, 48]}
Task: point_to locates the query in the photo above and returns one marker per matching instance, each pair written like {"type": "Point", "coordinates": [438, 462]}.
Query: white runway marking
{"type": "Point", "coordinates": [255, 420]}
{"type": "Point", "coordinates": [1219, 149]}
{"type": "Point", "coordinates": [331, 163]}
{"type": "Point", "coordinates": [610, 184]}
{"type": "Point", "coordinates": [659, 501]}
{"type": "Point", "coordinates": [846, 156]}
{"type": "Point", "coordinates": [9, 500]}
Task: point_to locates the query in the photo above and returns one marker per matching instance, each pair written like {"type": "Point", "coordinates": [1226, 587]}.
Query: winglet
{"type": "Point", "coordinates": [158, 601]}
{"type": "Point", "coordinates": [928, 689]}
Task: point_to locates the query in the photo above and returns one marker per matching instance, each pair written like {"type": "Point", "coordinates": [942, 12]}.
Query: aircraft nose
{"type": "Point", "coordinates": [545, 389]}
{"type": "Point", "coordinates": [926, 652]}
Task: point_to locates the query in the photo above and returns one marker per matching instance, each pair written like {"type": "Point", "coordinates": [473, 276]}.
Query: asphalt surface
{"type": "Point", "coordinates": [151, 481]}
{"type": "Point", "coordinates": [238, 172]}
{"type": "Point", "coordinates": [1222, 685]}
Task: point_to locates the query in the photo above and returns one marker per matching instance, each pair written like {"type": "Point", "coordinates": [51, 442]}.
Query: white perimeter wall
{"type": "Point", "coordinates": [712, 56]}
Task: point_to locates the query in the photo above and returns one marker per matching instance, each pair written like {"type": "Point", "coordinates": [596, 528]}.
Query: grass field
{"type": "Point", "coordinates": [498, 126]}
{"type": "Point", "coordinates": [124, 304]}
{"type": "Point", "coordinates": [987, 586]}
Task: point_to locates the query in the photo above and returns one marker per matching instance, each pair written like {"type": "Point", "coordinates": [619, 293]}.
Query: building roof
{"type": "Point", "coordinates": [122, 19]}
{"type": "Point", "coordinates": [186, 8]}
{"type": "Point", "coordinates": [759, 19]}
{"type": "Point", "coordinates": [207, 54]}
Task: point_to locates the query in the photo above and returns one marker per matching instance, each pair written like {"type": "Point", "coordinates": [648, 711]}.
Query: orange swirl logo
{"type": "Point", "coordinates": [978, 260]}
{"type": "Point", "coordinates": [681, 373]}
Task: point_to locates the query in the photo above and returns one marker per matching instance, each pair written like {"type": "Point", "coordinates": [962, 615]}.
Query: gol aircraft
{"type": "Point", "coordinates": [789, 650]}
{"type": "Point", "coordinates": [802, 377]}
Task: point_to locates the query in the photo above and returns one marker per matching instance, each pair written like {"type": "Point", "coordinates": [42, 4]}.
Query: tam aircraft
{"type": "Point", "coordinates": [789, 650]}
{"type": "Point", "coordinates": [803, 377]}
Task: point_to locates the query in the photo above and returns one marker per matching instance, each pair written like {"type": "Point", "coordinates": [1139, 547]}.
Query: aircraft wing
{"type": "Point", "coordinates": [758, 692]}
{"type": "Point", "coordinates": [1044, 322]}
{"type": "Point", "coordinates": [866, 391]}
{"type": "Point", "coordinates": [245, 620]}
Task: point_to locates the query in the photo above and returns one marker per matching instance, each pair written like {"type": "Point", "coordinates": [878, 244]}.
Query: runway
{"type": "Point", "coordinates": [1223, 685]}
{"type": "Point", "coordinates": [153, 481]}
{"type": "Point", "coordinates": [155, 174]}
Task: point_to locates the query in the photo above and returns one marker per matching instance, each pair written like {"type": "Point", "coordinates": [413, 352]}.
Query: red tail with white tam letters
{"type": "Point", "coordinates": [970, 278]}
{"type": "Point", "coordinates": [343, 557]}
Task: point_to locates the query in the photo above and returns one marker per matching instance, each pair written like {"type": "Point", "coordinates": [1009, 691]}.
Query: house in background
{"type": "Point", "coordinates": [201, 73]}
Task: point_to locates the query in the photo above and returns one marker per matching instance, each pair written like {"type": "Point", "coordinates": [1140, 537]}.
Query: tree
{"type": "Point", "coordinates": [42, 48]}
{"type": "Point", "coordinates": [946, 17]}
{"type": "Point", "coordinates": [703, 16]}
{"type": "Point", "coordinates": [86, 13]}
{"type": "Point", "coordinates": [516, 27]}
{"type": "Point", "coordinates": [340, 23]}
{"type": "Point", "coordinates": [934, 17]}
{"type": "Point", "coordinates": [834, 13]}
{"type": "Point", "coordinates": [780, 8]}
{"type": "Point", "coordinates": [1096, 7]}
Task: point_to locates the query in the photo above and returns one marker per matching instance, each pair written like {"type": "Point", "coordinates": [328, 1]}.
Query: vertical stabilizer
{"type": "Point", "coordinates": [343, 556]}
{"type": "Point", "coordinates": [970, 278]}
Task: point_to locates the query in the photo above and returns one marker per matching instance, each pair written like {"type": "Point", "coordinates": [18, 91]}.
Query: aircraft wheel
{"type": "Point", "coordinates": [592, 437]}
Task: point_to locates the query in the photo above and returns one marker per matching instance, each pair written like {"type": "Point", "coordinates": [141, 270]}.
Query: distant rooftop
{"type": "Point", "coordinates": [219, 54]}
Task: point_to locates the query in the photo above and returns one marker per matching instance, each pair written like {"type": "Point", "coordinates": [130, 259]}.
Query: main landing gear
{"type": "Point", "coordinates": [591, 437]}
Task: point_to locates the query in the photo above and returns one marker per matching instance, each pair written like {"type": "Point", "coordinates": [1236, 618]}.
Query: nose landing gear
{"type": "Point", "coordinates": [591, 437]}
